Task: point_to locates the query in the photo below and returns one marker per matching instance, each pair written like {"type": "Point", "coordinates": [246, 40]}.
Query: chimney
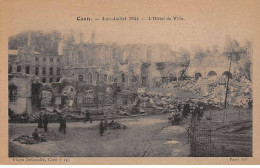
{"type": "Point", "coordinates": [81, 38]}
{"type": "Point", "coordinates": [61, 46]}
{"type": "Point", "coordinates": [29, 38]}
{"type": "Point", "coordinates": [148, 55]}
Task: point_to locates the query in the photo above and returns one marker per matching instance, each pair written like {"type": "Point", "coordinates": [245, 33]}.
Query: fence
{"type": "Point", "coordinates": [204, 142]}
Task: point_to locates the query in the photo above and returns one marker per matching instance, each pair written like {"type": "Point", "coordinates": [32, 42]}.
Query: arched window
{"type": "Point", "coordinates": [81, 78]}
{"type": "Point", "coordinates": [228, 74]}
{"type": "Point", "coordinates": [197, 75]}
{"type": "Point", "coordinates": [212, 73]}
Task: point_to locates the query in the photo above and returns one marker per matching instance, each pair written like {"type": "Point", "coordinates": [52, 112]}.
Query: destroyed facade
{"type": "Point", "coordinates": [89, 75]}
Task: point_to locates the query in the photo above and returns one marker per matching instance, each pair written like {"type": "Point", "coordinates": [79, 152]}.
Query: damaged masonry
{"type": "Point", "coordinates": [65, 79]}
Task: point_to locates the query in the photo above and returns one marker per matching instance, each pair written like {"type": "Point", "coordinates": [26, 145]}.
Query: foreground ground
{"type": "Point", "coordinates": [146, 136]}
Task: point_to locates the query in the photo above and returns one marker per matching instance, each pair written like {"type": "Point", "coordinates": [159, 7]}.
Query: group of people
{"type": "Point", "coordinates": [44, 120]}
{"type": "Point", "coordinates": [43, 123]}
{"type": "Point", "coordinates": [182, 110]}
{"type": "Point", "coordinates": [178, 113]}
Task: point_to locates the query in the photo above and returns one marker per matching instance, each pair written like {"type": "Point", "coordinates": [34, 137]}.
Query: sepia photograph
{"type": "Point", "coordinates": [71, 97]}
{"type": "Point", "coordinates": [90, 81]}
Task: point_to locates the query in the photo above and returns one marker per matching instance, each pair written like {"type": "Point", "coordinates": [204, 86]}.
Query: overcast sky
{"type": "Point", "coordinates": [206, 23]}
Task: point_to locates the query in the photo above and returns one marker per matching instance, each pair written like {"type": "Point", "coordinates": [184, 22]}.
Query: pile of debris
{"type": "Point", "coordinates": [116, 125]}
{"type": "Point", "coordinates": [212, 91]}
{"type": "Point", "coordinates": [152, 104]}
{"type": "Point", "coordinates": [25, 139]}
{"type": "Point", "coordinates": [52, 115]}
{"type": "Point", "coordinates": [20, 118]}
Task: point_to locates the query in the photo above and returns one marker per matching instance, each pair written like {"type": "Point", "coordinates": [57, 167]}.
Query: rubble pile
{"type": "Point", "coordinates": [116, 125]}
{"type": "Point", "coordinates": [52, 116]}
{"type": "Point", "coordinates": [212, 91]}
{"type": "Point", "coordinates": [22, 118]}
{"type": "Point", "coordinates": [25, 139]}
{"type": "Point", "coordinates": [154, 104]}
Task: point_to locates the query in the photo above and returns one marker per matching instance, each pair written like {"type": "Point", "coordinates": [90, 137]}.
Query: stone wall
{"type": "Point", "coordinates": [22, 101]}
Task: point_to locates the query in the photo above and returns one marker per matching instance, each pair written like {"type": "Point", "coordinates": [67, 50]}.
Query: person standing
{"type": "Point", "coordinates": [87, 117]}
{"type": "Point", "coordinates": [197, 112]}
{"type": "Point", "coordinates": [40, 122]}
{"type": "Point", "coordinates": [250, 103]}
{"type": "Point", "coordinates": [105, 122]}
{"type": "Point", "coordinates": [62, 121]}
{"type": "Point", "coordinates": [186, 110]}
{"type": "Point", "coordinates": [45, 122]}
{"type": "Point", "coordinates": [35, 134]}
{"type": "Point", "coordinates": [101, 128]}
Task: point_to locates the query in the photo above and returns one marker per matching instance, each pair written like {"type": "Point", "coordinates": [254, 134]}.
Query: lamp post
{"type": "Point", "coordinates": [229, 73]}
{"type": "Point", "coordinates": [225, 104]}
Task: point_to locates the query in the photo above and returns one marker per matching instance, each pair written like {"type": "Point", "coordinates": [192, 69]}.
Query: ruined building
{"type": "Point", "coordinates": [26, 60]}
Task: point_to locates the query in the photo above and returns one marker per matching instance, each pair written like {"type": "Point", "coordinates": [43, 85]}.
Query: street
{"type": "Point", "coordinates": [146, 136]}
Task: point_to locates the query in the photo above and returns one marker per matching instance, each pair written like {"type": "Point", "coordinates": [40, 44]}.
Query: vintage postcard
{"type": "Point", "coordinates": [129, 82]}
